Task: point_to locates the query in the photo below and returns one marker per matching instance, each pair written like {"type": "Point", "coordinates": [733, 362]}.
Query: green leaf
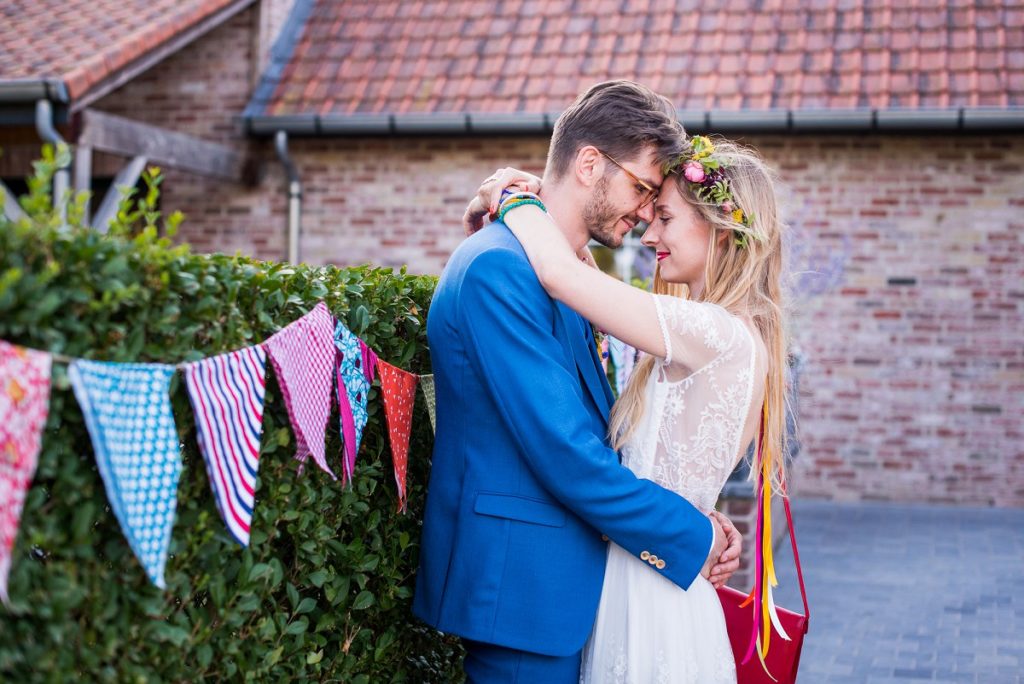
{"type": "Point", "coordinates": [297, 627]}
{"type": "Point", "coordinates": [274, 656]}
{"type": "Point", "coordinates": [363, 601]}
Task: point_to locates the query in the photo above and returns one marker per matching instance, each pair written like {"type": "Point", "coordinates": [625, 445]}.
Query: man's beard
{"type": "Point", "coordinates": [600, 217]}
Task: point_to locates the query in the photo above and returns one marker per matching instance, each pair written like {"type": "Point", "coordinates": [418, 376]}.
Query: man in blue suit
{"type": "Point", "coordinates": [524, 491]}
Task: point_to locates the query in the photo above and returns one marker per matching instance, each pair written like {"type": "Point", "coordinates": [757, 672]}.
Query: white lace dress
{"type": "Point", "coordinates": [702, 406]}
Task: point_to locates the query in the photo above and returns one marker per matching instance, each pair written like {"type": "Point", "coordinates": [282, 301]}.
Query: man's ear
{"type": "Point", "coordinates": [589, 166]}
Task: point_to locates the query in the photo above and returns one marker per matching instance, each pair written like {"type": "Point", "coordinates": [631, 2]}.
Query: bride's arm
{"type": "Point", "coordinates": [626, 312]}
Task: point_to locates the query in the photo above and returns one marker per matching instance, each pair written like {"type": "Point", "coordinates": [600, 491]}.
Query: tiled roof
{"type": "Point", "coordinates": [523, 56]}
{"type": "Point", "coordinates": [82, 42]}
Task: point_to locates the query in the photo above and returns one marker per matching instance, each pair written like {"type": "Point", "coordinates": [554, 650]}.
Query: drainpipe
{"type": "Point", "coordinates": [294, 196]}
{"type": "Point", "coordinates": [61, 179]}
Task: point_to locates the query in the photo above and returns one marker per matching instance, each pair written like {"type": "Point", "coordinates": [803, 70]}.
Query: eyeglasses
{"type": "Point", "coordinates": [642, 187]}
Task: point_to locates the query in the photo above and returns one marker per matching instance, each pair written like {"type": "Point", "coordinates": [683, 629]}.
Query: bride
{"type": "Point", "coordinates": [713, 333]}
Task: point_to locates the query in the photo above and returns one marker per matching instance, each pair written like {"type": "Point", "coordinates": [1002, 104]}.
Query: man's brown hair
{"type": "Point", "coordinates": [619, 118]}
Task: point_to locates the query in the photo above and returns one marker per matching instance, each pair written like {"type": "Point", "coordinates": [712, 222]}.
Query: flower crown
{"type": "Point", "coordinates": [707, 180]}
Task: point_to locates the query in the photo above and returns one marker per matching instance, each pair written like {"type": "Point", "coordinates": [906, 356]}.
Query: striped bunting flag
{"type": "Point", "coordinates": [227, 394]}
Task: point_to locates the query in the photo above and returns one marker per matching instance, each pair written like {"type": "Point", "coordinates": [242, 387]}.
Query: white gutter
{"type": "Point", "coordinates": [294, 195]}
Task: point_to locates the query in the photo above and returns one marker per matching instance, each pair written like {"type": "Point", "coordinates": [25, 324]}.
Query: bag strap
{"type": "Point", "coordinates": [796, 554]}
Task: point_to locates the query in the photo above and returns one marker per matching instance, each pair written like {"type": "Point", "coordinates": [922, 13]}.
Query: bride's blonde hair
{"type": "Point", "coordinates": [745, 280]}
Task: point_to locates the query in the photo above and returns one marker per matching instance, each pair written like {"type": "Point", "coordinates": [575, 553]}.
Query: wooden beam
{"type": "Point", "coordinates": [127, 176]}
{"type": "Point", "coordinates": [83, 174]}
{"type": "Point", "coordinates": [12, 210]}
{"type": "Point", "coordinates": [128, 138]}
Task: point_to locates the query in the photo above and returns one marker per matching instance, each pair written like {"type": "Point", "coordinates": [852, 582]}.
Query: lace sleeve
{"type": "Point", "coordinates": [695, 333]}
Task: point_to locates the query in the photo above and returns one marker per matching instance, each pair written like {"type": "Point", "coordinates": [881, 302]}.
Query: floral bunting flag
{"type": "Point", "coordinates": [427, 385]}
{"type": "Point", "coordinates": [128, 414]}
{"type": "Point", "coordinates": [356, 366]}
{"type": "Point", "coordinates": [399, 392]}
{"type": "Point", "coordinates": [303, 355]}
{"type": "Point", "coordinates": [227, 393]}
{"type": "Point", "coordinates": [24, 405]}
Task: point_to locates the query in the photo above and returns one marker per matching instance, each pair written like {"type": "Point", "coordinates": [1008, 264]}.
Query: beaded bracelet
{"type": "Point", "coordinates": [508, 196]}
{"type": "Point", "coordinates": [509, 206]}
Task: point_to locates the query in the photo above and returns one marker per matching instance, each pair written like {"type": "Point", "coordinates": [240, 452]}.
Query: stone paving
{"type": "Point", "coordinates": [904, 593]}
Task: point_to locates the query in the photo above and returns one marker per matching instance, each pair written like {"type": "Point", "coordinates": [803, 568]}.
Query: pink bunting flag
{"type": "Point", "coordinates": [399, 391]}
{"type": "Point", "coordinates": [303, 355]}
{"type": "Point", "coordinates": [24, 405]}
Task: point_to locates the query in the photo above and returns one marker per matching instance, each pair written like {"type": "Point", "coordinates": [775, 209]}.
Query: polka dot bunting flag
{"type": "Point", "coordinates": [128, 414]}
{"type": "Point", "coordinates": [398, 388]}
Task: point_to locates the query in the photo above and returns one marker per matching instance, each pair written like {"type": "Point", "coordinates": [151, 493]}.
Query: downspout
{"type": "Point", "coordinates": [62, 178]}
{"type": "Point", "coordinates": [294, 196]}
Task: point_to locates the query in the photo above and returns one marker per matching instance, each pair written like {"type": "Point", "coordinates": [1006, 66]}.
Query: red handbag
{"type": "Point", "coordinates": [783, 657]}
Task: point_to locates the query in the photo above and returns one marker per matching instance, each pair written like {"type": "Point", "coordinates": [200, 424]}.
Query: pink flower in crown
{"type": "Point", "coordinates": [727, 207]}
{"type": "Point", "coordinates": [693, 171]}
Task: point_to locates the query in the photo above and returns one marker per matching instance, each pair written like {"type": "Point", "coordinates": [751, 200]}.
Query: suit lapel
{"type": "Point", "coordinates": [585, 355]}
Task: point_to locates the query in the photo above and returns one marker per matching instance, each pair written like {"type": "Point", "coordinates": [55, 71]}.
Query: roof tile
{"type": "Point", "coordinates": [534, 55]}
{"type": "Point", "coordinates": [82, 42]}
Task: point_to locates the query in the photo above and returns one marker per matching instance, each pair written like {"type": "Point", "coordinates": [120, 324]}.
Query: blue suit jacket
{"type": "Point", "coordinates": [523, 485]}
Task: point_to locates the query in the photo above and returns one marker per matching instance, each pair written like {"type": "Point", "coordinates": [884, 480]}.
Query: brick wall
{"type": "Point", "coordinates": [907, 289]}
{"type": "Point", "coordinates": [912, 325]}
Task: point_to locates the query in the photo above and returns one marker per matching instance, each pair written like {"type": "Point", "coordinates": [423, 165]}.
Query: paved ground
{"type": "Point", "coordinates": [908, 593]}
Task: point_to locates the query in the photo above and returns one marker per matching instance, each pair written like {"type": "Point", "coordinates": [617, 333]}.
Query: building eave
{"type": "Point", "coordinates": [769, 121]}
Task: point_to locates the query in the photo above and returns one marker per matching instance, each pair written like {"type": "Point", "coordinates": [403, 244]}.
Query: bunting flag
{"type": "Point", "coordinates": [303, 355]}
{"type": "Point", "coordinates": [624, 358]}
{"type": "Point", "coordinates": [427, 385]}
{"type": "Point", "coordinates": [399, 390]}
{"type": "Point", "coordinates": [227, 393]}
{"type": "Point", "coordinates": [602, 349]}
{"type": "Point", "coordinates": [356, 366]}
{"type": "Point", "coordinates": [24, 405]}
{"type": "Point", "coordinates": [128, 414]}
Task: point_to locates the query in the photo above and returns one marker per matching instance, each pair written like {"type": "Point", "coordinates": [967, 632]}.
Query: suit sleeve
{"type": "Point", "coordinates": [507, 322]}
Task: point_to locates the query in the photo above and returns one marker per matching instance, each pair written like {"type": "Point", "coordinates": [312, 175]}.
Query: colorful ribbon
{"type": "Point", "coordinates": [765, 612]}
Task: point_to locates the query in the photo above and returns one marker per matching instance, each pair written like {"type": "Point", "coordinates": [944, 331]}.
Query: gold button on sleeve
{"type": "Point", "coordinates": [644, 555]}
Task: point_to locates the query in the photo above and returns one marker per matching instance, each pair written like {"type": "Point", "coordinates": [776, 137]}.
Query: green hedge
{"type": "Point", "coordinates": [323, 593]}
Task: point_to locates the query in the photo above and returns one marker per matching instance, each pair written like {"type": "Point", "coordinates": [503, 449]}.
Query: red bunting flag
{"type": "Point", "coordinates": [399, 392]}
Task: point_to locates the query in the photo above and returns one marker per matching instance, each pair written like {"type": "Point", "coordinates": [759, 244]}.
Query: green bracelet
{"type": "Point", "coordinates": [509, 206]}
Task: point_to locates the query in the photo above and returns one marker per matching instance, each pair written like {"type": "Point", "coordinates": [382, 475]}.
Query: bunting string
{"type": "Point", "coordinates": [128, 415]}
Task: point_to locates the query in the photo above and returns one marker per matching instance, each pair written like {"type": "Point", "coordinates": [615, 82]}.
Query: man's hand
{"type": "Point", "coordinates": [716, 550]}
{"type": "Point", "coordinates": [729, 560]}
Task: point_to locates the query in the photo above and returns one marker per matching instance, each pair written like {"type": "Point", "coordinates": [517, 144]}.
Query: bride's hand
{"type": "Point", "coordinates": [488, 195]}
